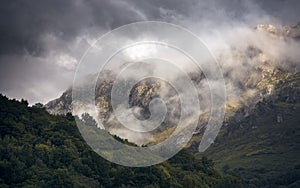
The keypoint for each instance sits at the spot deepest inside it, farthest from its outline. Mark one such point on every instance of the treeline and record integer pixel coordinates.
(42, 150)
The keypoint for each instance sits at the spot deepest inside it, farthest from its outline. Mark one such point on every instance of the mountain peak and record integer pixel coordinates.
(284, 31)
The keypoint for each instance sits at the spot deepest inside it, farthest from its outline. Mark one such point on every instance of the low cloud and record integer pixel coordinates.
(43, 41)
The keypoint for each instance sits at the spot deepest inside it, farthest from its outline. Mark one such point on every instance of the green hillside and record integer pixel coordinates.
(263, 147)
(42, 150)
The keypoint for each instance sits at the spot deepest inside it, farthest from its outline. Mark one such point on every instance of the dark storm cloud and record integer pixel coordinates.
(23, 22)
(287, 11)
(39, 38)
(32, 33)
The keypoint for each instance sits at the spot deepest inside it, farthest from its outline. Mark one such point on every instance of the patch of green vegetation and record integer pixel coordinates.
(264, 147)
(42, 150)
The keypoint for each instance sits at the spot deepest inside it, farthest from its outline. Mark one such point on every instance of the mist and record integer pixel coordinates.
(42, 44)
(41, 47)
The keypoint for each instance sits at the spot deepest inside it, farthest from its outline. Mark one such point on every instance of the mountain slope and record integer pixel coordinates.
(263, 147)
(42, 150)
(259, 139)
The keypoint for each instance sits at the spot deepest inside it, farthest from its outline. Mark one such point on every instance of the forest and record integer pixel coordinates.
(42, 150)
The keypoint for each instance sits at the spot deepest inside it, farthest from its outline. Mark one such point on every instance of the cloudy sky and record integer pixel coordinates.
(42, 41)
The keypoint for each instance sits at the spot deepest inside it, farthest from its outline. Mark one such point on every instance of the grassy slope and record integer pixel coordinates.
(261, 150)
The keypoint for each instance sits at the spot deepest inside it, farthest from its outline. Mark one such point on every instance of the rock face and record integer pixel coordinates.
(261, 82)
(285, 31)
(62, 105)
(140, 97)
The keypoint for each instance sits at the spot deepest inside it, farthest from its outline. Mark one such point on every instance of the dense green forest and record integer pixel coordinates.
(42, 150)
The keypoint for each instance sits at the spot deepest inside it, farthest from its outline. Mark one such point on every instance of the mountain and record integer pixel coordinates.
(42, 150)
(259, 139)
(139, 100)
(263, 145)
(286, 31)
